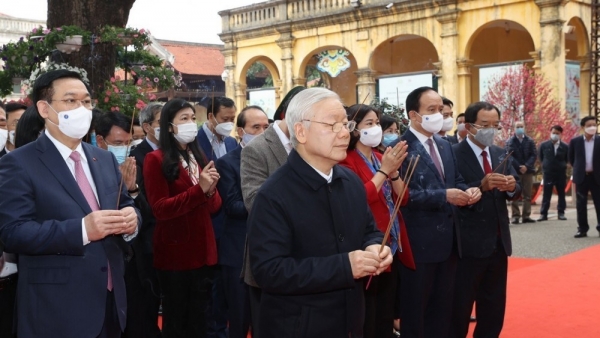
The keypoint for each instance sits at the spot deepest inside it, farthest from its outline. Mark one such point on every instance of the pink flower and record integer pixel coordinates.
(46, 31)
(133, 73)
(106, 99)
(139, 82)
(112, 79)
(34, 30)
(113, 108)
(147, 79)
(156, 80)
(140, 104)
(117, 108)
(152, 97)
(135, 35)
(116, 90)
(142, 31)
(108, 92)
(59, 29)
(143, 67)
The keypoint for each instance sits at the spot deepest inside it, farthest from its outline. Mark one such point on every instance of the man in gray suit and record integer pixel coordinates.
(259, 160)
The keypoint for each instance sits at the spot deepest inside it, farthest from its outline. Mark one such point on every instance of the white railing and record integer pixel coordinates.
(18, 26)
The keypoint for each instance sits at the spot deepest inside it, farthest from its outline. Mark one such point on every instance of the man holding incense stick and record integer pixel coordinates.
(435, 190)
(311, 234)
(484, 227)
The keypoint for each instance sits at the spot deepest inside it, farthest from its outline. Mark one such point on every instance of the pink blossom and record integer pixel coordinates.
(133, 73)
(139, 82)
(135, 35)
(143, 67)
(108, 92)
(34, 30)
(152, 97)
(116, 90)
(46, 31)
(113, 108)
(106, 99)
(156, 80)
(142, 31)
(117, 108)
(59, 29)
(112, 79)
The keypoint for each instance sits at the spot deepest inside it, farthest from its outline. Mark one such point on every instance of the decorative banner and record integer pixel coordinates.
(572, 99)
(264, 98)
(333, 61)
(397, 88)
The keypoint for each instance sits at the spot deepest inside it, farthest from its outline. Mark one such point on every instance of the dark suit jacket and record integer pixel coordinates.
(378, 203)
(231, 247)
(430, 219)
(554, 166)
(62, 283)
(452, 139)
(479, 224)
(523, 153)
(230, 144)
(577, 159)
(183, 238)
(3, 152)
(301, 230)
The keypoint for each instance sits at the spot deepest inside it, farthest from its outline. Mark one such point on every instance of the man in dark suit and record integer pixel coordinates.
(524, 154)
(436, 189)
(62, 212)
(584, 156)
(448, 124)
(554, 156)
(14, 111)
(461, 132)
(484, 227)
(311, 234)
(141, 280)
(215, 140)
(251, 121)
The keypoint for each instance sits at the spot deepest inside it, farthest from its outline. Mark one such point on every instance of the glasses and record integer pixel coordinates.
(498, 127)
(14, 123)
(74, 103)
(337, 126)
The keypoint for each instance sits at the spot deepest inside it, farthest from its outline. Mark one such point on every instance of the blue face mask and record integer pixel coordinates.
(388, 139)
(93, 139)
(120, 152)
(520, 131)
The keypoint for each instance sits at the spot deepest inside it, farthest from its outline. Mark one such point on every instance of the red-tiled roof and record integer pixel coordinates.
(196, 58)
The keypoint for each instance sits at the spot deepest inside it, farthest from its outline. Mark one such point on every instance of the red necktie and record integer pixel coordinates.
(88, 193)
(487, 169)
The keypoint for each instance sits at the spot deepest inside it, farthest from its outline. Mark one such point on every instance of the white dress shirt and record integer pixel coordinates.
(8, 264)
(478, 151)
(218, 146)
(589, 153)
(282, 137)
(422, 138)
(154, 146)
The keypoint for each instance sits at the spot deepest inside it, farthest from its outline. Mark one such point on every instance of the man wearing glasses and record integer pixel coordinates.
(63, 213)
(311, 234)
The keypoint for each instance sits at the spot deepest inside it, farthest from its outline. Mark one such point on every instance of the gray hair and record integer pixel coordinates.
(302, 105)
(149, 112)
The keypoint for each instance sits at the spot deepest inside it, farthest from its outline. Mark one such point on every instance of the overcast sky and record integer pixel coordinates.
(181, 20)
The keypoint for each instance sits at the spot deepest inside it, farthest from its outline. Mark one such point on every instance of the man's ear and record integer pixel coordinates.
(301, 132)
(42, 108)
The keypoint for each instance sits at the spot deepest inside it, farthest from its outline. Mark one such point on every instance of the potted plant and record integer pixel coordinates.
(123, 97)
(66, 39)
(125, 36)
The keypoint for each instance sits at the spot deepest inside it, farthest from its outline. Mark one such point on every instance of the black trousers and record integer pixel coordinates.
(217, 307)
(255, 294)
(185, 301)
(8, 293)
(560, 184)
(238, 301)
(111, 327)
(427, 294)
(482, 280)
(143, 301)
(380, 302)
(588, 185)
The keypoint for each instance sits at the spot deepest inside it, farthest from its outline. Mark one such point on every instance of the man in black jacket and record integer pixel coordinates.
(484, 233)
(553, 155)
(524, 155)
(584, 156)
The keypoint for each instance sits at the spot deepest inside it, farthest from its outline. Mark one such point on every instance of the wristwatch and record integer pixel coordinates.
(134, 191)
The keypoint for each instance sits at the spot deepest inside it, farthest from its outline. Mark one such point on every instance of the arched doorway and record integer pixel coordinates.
(259, 85)
(332, 67)
(495, 44)
(577, 69)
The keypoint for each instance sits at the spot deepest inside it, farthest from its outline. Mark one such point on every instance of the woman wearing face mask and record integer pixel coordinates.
(391, 132)
(382, 180)
(181, 190)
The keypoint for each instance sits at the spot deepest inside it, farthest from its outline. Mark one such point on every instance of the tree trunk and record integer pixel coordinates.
(98, 59)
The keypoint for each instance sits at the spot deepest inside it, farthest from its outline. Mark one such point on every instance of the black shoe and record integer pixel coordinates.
(472, 319)
(528, 220)
(580, 234)
(562, 217)
(541, 219)
(515, 220)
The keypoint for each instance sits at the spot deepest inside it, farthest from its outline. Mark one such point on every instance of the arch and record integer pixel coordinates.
(265, 60)
(405, 53)
(344, 84)
(576, 41)
(496, 42)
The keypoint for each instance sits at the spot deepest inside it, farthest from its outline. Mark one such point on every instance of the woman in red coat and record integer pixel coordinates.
(181, 189)
(383, 183)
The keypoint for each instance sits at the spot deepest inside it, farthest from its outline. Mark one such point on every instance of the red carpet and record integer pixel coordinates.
(556, 298)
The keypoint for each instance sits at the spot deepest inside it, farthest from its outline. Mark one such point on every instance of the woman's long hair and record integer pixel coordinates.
(282, 109)
(29, 128)
(169, 145)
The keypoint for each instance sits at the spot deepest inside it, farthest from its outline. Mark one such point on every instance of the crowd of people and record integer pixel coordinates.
(106, 220)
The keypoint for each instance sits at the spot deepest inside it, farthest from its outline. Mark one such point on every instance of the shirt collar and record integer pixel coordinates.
(326, 177)
(422, 138)
(282, 137)
(152, 144)
(476, 148)
(209, 134)
(65, 151)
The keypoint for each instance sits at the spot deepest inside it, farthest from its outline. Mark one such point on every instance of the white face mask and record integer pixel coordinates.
(11, 137)
(448, 124)
(157, 133)
(460, 127)
(371, 137)
(432, 123)
(246, 138)
(591, 130)
(3, 138)
(74, 123)
(136, 143)
(186, 132)
(223, 129)
(554, 137)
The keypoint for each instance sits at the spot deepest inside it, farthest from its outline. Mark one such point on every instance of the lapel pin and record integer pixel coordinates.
(94, 159)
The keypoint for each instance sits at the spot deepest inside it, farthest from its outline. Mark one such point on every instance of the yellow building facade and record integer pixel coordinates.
(452, 39)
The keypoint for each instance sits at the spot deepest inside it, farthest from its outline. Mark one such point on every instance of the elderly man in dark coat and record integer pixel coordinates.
(311, 234)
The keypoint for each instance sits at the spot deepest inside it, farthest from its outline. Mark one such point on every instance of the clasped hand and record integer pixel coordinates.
(370, 261)
(101, 223)
(498, 181)
(461, 198)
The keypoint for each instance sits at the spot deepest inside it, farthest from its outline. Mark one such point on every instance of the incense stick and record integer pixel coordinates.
(361, 104)
(504, 162)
